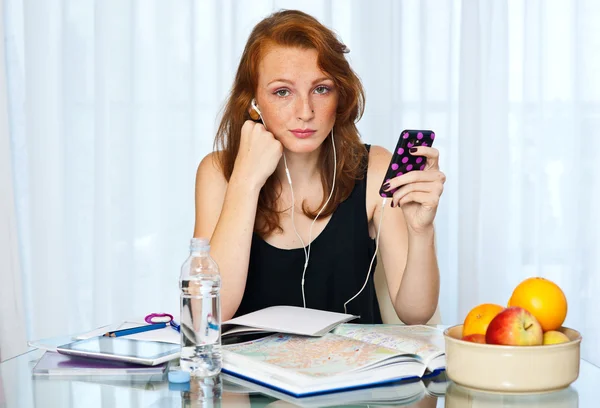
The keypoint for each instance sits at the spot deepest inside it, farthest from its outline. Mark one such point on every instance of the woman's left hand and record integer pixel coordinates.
(418, 192)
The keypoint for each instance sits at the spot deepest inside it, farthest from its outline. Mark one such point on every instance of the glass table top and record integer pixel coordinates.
(18, 388)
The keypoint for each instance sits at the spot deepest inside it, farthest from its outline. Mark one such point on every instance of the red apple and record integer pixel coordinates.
(475, 338)
(514, 326)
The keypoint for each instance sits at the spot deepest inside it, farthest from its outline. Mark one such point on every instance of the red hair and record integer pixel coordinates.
(297, 29)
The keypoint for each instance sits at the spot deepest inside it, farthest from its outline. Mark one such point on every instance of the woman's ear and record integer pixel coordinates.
(253, 114)
(254, 111)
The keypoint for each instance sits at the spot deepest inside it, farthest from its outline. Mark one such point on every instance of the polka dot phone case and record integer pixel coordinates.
(402, 160)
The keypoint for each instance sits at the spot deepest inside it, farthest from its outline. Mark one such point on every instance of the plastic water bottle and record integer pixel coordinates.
(200, 312)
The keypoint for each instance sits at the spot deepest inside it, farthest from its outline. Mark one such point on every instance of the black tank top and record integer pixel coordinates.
(339, 261)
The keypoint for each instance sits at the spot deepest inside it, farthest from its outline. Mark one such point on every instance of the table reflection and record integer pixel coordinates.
(462, 397)
(20, 389)
(201, 392)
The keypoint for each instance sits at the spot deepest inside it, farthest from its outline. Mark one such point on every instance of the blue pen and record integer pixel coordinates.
(134, 330)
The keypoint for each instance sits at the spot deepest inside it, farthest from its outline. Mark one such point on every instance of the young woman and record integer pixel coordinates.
(292, 111)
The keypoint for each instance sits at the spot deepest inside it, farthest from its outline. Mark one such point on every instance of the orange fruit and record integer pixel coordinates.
(544, 299)
(479, 318)
(475, 338)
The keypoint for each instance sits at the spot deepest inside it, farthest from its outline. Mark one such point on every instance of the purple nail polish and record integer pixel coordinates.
(413, 150)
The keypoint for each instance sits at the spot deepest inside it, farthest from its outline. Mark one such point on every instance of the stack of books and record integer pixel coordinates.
(53, 364)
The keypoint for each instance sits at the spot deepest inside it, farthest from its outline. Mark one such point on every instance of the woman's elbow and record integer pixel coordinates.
(417, 315)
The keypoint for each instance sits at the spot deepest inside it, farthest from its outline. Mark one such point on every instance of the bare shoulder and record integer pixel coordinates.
(211, 187)
(379, 158)
(210, 166)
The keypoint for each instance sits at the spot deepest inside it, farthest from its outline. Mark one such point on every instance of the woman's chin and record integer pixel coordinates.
(298, 145)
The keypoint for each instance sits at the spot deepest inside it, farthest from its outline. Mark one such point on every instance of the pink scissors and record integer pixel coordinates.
(154, 318)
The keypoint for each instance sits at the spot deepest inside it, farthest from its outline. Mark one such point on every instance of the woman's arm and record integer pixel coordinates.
(407, 238)
(226, 212)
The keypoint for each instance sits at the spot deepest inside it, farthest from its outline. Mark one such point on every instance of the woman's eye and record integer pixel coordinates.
(321, 89)
(282, 92)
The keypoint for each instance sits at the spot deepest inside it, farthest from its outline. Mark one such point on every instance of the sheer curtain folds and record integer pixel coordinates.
(12, 327)
(112, 104)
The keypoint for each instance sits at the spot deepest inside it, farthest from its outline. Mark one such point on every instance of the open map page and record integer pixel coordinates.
(349, 348)
(313, 356)
(424, 341)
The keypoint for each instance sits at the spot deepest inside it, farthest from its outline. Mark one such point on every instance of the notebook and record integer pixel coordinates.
(167, 335)
(351, 357)
(286, 319)
(275, 319)
(56, 364)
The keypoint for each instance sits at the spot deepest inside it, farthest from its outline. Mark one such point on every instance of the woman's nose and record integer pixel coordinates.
(305, 110)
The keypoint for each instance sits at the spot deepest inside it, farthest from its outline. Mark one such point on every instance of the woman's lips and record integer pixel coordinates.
(303, 133)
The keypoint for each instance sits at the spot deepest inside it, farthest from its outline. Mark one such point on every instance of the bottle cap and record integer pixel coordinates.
(179, 376)
(197, 244)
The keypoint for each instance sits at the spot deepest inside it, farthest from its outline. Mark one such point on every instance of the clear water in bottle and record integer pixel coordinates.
(200, 285)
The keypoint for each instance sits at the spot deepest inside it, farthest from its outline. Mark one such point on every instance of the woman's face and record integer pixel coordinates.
(297, 100)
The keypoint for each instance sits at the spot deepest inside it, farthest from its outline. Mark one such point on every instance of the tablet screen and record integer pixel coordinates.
(120, 346)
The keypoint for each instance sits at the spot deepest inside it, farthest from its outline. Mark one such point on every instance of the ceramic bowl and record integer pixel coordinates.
(512, 369)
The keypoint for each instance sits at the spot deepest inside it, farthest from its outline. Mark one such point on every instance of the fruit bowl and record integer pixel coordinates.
(512, 369)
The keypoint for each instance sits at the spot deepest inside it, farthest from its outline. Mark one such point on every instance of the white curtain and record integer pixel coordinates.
(113, 104)
(12, 327)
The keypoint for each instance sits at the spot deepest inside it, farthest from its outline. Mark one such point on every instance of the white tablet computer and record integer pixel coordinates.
(122, 349)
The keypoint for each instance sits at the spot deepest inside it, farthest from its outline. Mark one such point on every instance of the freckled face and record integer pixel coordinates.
(297, 100)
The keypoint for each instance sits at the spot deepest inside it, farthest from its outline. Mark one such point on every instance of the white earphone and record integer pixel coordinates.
(257, 111)
(307, 253)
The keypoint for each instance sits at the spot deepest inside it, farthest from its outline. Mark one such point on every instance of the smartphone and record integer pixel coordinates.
(402, 160)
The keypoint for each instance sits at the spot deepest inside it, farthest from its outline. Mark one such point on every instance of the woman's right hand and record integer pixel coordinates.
(258, 155)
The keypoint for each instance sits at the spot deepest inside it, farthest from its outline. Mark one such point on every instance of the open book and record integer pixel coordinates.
(352, 356)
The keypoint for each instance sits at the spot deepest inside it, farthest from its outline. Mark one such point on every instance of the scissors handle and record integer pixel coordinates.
(158, 318)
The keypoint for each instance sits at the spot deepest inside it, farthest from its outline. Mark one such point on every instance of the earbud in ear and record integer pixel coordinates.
(255, 112)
